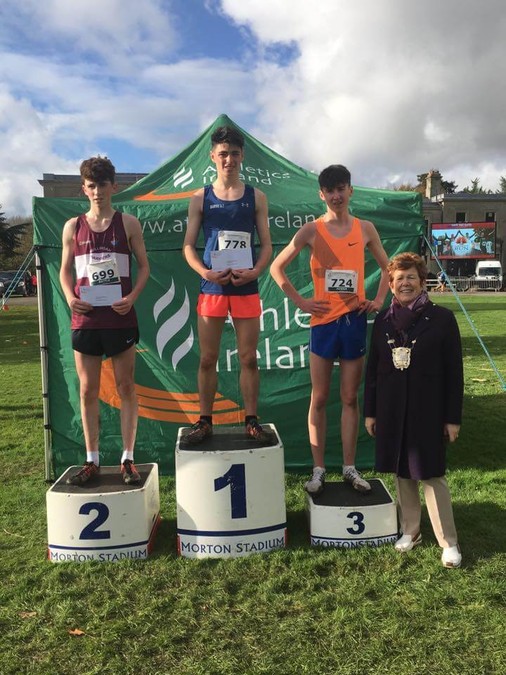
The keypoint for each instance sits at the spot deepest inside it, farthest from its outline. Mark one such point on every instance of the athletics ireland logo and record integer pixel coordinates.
(173, 325)
(183, 177)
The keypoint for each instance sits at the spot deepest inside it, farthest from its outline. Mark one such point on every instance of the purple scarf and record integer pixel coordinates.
(403, 318)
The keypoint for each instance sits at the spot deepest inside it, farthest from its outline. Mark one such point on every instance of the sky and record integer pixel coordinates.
(388, 88)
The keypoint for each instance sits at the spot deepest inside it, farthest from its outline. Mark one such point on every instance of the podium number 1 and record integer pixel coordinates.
(236, 478)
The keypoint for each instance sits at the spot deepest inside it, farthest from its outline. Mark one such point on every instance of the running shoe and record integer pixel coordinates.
(316, 483)
(129, 472)
(90, 470)
(198, 432)
(352, 476)
(255, 431)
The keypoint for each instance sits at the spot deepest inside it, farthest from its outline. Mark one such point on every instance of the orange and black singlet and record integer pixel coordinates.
(337, 268)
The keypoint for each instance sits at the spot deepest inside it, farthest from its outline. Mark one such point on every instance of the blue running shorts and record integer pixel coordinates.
(344, 338)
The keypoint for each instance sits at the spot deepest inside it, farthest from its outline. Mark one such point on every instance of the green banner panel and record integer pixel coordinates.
(167, 359)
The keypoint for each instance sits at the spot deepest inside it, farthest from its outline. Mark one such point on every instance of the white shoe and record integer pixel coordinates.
(452, 557)
(352, 476)
(316, 483)
(407, 542)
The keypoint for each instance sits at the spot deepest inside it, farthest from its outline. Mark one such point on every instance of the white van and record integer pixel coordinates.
(489, 274)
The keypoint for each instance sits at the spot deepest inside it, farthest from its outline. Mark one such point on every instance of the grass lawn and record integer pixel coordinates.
(300, 610)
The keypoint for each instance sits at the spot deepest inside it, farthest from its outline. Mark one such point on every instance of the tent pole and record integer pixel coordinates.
(48, 459)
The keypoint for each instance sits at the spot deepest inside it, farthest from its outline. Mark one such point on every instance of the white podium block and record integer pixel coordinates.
(342, 517)
(105, 519)
(230, 493)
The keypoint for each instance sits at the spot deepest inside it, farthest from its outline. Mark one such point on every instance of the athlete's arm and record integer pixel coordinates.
(195, 212)
(373, 243)
(243, 276)
(133, 231)
(76, 305)
(304, 237)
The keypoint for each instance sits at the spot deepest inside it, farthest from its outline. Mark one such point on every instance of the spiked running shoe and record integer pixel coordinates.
(316, 483)
(255, 431)
(90, 470)
(198, 432)
(129, 472)
(352, 476)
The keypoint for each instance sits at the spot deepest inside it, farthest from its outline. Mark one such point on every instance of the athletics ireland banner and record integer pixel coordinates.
(167, 359)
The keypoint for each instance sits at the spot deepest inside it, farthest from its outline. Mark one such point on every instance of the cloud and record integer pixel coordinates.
(389, 88)
(119, 32)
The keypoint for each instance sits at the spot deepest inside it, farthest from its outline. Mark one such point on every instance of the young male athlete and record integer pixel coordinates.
(338, 311)
(231, 215)
(97, 248)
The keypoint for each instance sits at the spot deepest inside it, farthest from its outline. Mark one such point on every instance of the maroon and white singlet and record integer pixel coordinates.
(90, 249)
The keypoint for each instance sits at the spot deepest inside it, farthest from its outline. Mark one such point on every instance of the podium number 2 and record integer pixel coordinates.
(91, 530)
(358, 522)
(236, 478)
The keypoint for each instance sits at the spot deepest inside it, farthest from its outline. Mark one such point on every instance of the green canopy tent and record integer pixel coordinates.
(166, 367)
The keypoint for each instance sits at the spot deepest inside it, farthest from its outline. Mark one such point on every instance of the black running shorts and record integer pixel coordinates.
(104, 341)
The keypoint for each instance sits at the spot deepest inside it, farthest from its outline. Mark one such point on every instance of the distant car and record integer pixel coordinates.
(6, 279)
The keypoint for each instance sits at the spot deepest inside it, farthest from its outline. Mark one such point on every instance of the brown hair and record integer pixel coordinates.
(403, 261)
(227, 135)
(97, 169)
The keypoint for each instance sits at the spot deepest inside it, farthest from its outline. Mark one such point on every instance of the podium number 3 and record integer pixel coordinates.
(358, 522)
(236, 478)
(91, 530)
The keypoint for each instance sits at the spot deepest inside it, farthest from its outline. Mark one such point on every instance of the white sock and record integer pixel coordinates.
(127, 454)
(93, 457)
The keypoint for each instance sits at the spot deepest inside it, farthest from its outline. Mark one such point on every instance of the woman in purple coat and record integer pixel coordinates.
(413, 402)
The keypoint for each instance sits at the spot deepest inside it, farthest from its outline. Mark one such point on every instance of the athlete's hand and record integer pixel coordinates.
(122, 306)
(241, 277)
(222, 278)
(369, 306)
(316, 308)
(78, 306)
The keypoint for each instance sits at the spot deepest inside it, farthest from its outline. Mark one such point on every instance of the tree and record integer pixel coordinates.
(502, 185)
(476, 188)
(16, 235)
(10, 235)
(405, 187)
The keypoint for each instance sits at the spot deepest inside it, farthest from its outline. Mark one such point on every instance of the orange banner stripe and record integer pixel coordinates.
(160, 404)
(152, 197)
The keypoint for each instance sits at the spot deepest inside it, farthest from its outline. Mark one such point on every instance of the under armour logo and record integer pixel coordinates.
(244, 205)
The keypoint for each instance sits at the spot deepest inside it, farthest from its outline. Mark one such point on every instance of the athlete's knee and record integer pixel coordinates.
(349, 398)
(248, 360)
(125, 388)
(319, 399)
(88, 392)
(208, 361)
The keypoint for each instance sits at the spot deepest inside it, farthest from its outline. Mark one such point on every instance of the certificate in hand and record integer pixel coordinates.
(234, 259)
(102, 295)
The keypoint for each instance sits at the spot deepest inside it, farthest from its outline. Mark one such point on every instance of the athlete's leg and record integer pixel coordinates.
(350, 372)
(88, 370)
(123, 366)
(321, 374)
(210, 329)
(247, 332)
